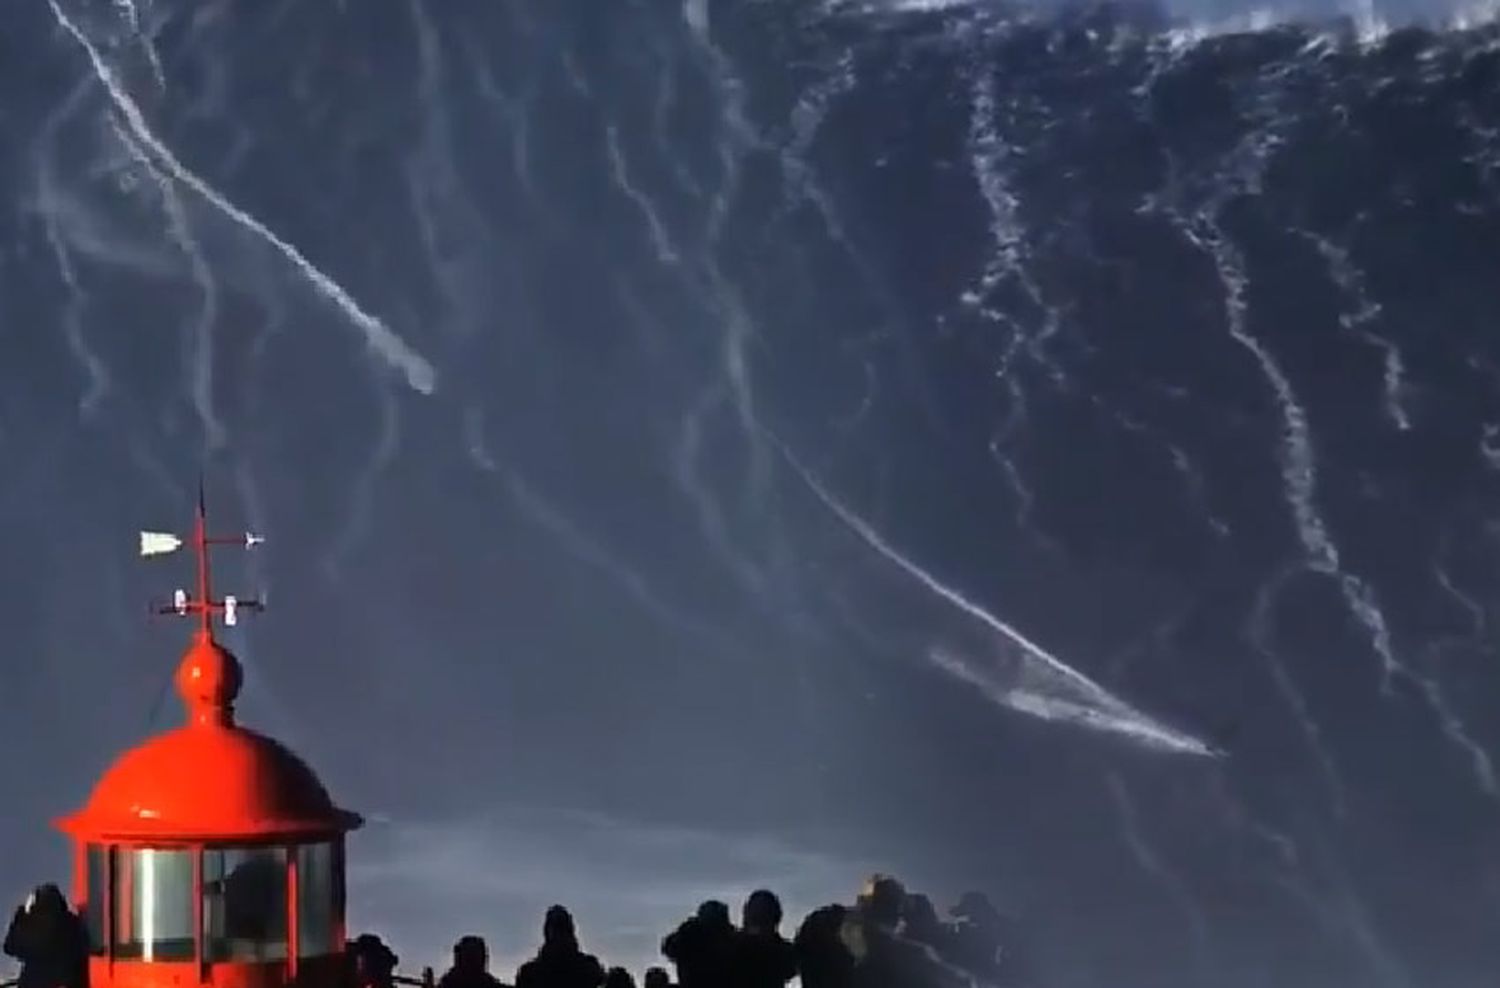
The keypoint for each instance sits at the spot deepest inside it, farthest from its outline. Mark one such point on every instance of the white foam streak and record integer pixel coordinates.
(1299, 467)
(806, 119)
(515, 110)
(1262, 636)
(898, 6)
(1025, 500)
(1370, 25)
(737, 135)
(1183, 464)
(583, 546)
(1489, 445)
(695, 12)
(989, 156)
(1339, 905)
(1478, 622)
(201, 379)
(94, 368)
(801, 185)
(739, 332)
(419, 374)
(1153, 865)
(661, 114)
(1063, 710)
(357, 517)
(1351, 281)
(1043, 686)
(133, 21)
(666, 253)
(1253, 21)
(1240, 819)
(1457, 733)
(446, 219)
(1299, 473)
(685, 471)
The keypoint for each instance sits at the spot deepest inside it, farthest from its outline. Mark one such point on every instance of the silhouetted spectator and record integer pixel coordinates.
(876, 910)
(656, 977)
(371, 963)
(618, 977)
(988, 945)
(882, 958)
(471, 966)
(702, 948)
(976, 936)
(255, 902)
(932, 940)
(49, 940)
(920, 923)
(823, 960)
(560, 963)
(762, 956)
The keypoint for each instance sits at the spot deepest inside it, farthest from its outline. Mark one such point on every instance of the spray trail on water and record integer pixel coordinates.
(419, 374)
(1027, 678)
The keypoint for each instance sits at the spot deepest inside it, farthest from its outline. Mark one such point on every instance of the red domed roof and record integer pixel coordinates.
(209, 780)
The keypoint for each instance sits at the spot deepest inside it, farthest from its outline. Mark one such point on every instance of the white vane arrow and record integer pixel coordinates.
(159, 543)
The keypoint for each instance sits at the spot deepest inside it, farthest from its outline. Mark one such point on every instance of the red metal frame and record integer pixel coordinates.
(138, 971)
(199, 940)
(126, 869)
(340, 895)
(292, 917)
(107, 907)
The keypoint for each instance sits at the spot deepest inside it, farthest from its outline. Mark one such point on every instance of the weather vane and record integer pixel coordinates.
(202, 604)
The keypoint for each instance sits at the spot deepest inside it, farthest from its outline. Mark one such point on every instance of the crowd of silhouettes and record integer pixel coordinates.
(888, 939)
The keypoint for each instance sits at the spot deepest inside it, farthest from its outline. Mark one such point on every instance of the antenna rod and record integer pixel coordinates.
(200, 542)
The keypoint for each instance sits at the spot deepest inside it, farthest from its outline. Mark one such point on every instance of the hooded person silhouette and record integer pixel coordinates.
(702, 948)
(823, 960)
(561, 963)
(371, 963)
(471, 966)
(988, 943)
(762, 958)
(49, 940)
(882, 957)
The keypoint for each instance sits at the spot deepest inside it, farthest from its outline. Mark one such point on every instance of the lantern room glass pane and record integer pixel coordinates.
(96, 887)
(153, 898)
(244, 904)
(318, 898)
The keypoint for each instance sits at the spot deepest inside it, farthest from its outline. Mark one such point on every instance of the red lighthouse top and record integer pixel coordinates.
(209, 780)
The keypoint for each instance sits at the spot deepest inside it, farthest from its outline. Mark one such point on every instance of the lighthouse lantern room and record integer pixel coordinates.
(211, 854)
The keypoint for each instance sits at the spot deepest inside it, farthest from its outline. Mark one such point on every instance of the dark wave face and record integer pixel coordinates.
(716, 445)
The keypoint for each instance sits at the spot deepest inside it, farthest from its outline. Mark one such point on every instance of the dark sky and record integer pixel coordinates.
(716, 445)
